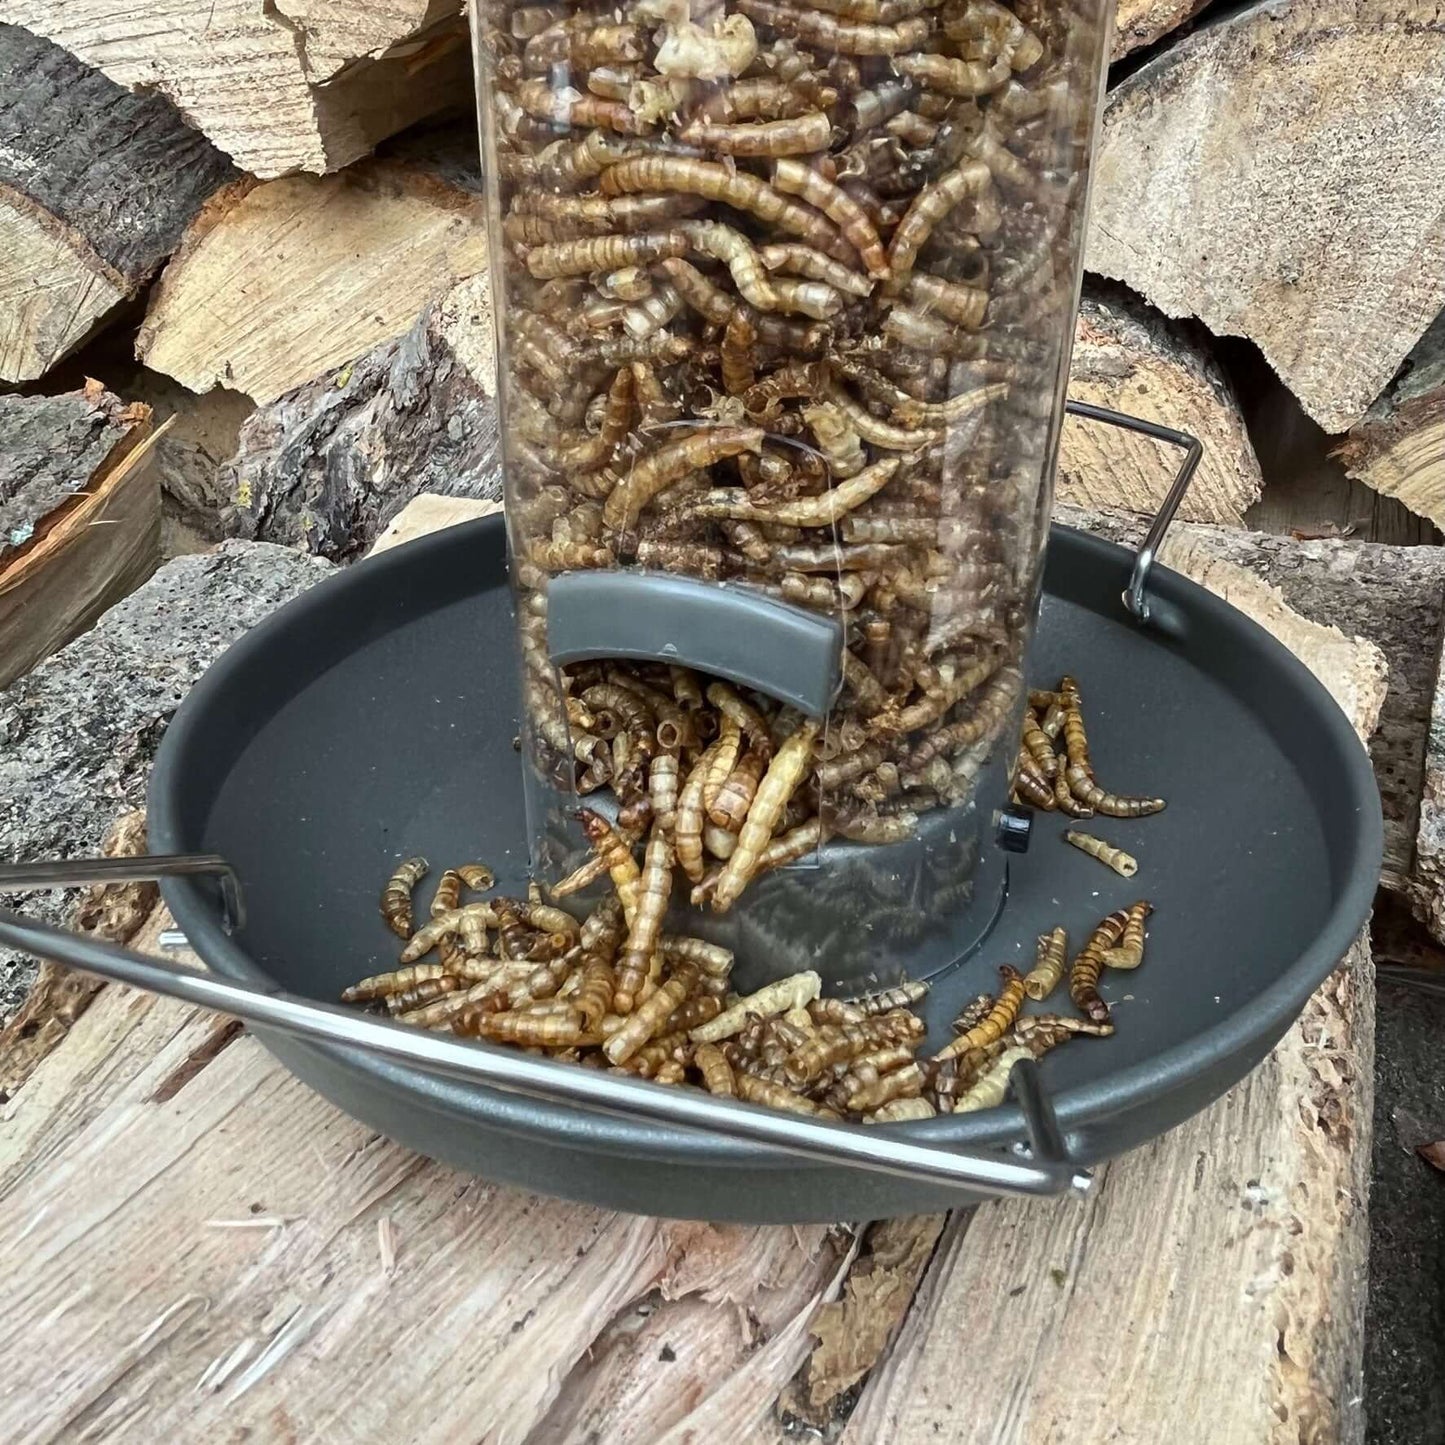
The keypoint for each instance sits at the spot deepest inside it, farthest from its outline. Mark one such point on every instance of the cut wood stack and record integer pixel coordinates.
(1398, 446)
(79, 517)
(296, 85)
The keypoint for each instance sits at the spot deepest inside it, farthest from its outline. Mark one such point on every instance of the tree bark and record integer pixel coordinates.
(1138, 23)
(295, 85)
(79, 517)
(1128, 357)
(329, 465)
(96, 186)
(1257, 176)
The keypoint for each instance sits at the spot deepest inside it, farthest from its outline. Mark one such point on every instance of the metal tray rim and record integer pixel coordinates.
(1265, 1018)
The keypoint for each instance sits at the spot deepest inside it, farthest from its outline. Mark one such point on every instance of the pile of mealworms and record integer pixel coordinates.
(527, 973)
(786, 295)
(728, 785)
(1043, 779)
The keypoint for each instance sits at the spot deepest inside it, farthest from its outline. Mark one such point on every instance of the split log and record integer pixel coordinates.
(1309, 494)
(292, 86)
(165, 1123)
(1255, 175)
(1138, 23)
(96, 185)
(79, 517)
(1399, 447)
(328, 466)
(274, 284)
(1390, 597)
(1128, 357)
(78, 733)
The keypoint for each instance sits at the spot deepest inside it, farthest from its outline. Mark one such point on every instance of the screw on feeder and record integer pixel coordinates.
(1014, 826)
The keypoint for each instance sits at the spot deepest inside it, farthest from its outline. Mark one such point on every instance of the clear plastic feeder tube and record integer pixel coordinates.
(785, 296)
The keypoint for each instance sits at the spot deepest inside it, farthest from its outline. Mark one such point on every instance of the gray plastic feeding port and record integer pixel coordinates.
(721, 628)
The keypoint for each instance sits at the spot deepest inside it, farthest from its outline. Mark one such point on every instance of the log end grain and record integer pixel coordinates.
(1255, 176)
(1126, 356)
(279, 282)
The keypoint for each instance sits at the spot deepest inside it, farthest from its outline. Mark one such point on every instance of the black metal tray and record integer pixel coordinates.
(374, 718)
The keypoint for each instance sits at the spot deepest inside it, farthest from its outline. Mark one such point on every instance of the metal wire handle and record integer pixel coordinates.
(149, 868)
(1136, 595)
(1048, 1169)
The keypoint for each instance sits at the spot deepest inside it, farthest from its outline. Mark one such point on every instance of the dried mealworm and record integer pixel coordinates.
(688, 823)
(991, 1088)
(754, 1090)
(477, 877)
(1121, 862)
(1030, 788)
(1085, 970)
(594, 995)
(796, 991)
(904, 996)
(670, 462)
(828, 33)
(729, 807)
(448, 893)
(1041, 980)
(736, 252)
(396, 896)
(711, 958)
(650, 1015)
(792, 257)
(423, 993)
(899, 1111)
(996, 1022)
(379, 985)
(786, 770)
(965, 78)
(568, 107)
(654, 890)
(797, 135)
(904, 1083)
(717, 1073)
(879, 433)
(1130, 952)
(604, 253)
(522, 1027)
(739, 347)
(616, 854)
(931, 206)
(716, 182)
(794, 178)
(784, 849)
(965, 306)
(1080, 777)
